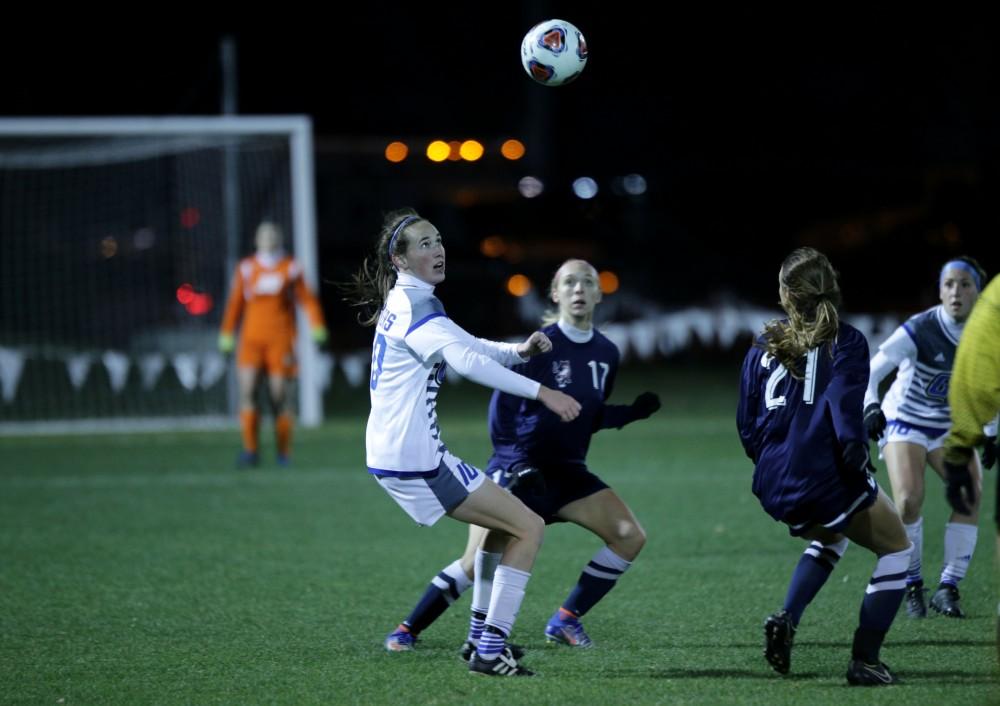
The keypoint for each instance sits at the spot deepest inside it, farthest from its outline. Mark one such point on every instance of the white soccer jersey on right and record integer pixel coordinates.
(923, 348)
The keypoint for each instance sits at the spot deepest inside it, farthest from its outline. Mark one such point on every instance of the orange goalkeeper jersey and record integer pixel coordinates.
(263, 293)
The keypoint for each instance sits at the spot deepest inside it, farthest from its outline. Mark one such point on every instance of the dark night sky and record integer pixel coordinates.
(870, 133)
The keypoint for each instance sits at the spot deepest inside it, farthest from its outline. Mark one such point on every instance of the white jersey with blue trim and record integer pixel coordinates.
(923, 349)
(407, 370)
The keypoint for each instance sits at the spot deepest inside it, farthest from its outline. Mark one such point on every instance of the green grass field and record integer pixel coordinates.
(143, 569)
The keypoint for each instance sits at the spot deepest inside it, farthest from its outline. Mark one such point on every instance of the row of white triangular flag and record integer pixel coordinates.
(662, 334)
(192, 370)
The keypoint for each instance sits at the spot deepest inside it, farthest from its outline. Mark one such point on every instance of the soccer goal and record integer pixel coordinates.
(118, 238)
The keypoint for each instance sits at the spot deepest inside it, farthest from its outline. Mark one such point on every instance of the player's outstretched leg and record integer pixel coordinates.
(811, 573)
(443, 590)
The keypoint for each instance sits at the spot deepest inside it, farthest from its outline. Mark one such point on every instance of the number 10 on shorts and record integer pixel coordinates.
(467, 472)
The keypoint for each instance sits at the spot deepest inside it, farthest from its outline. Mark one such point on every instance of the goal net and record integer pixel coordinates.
(118, 239)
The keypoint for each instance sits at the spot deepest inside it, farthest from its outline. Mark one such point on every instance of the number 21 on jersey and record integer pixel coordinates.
(772, 400)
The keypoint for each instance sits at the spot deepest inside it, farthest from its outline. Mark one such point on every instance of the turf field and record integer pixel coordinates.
(143, 569)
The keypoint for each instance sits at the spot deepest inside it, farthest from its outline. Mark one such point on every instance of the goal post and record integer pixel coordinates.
(118, 239)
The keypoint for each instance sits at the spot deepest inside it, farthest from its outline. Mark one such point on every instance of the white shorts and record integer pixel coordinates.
(428, 496)
(896, 430)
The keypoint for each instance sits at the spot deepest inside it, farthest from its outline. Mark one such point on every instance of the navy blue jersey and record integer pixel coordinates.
(524, 431)
(794, 430)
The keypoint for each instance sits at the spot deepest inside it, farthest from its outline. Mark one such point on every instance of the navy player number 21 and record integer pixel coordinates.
(772, 400)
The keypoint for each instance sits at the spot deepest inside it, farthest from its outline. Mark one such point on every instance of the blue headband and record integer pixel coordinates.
(399, 229)
(961, 265)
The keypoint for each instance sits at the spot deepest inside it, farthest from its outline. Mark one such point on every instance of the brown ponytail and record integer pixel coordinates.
(810, 295)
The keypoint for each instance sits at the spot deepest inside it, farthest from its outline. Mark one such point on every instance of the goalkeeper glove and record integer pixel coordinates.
(989, 456)
(319, 335)
(874, 421)
(645, 405)
(226, 342)
(527, 479)
(959, 488)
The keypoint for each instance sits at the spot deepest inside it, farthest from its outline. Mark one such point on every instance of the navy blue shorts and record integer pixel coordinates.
(562, 485)
(832, 512)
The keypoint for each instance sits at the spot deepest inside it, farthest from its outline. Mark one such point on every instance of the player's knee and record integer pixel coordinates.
(909, 505)
(533, 529)
(630, 537)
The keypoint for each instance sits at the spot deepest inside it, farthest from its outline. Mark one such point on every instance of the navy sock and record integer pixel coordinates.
(598, 577)
(441, 592)
(814, 568)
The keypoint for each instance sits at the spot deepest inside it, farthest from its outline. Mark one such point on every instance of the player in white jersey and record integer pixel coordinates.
(912, 421)
(414, 342)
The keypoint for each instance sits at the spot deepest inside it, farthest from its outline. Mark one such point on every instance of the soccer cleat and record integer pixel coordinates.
(565, 629)
(469, 648)
(946, 601)
(505, 665)
(400, 640)
(779, 636)
(916, 601)
(860, 673)
(247, 459)
(284, 460)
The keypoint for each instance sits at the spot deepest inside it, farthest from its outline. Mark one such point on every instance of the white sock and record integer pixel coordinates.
(509, 584)
(959, 543)
(482, 588)
(915, 533)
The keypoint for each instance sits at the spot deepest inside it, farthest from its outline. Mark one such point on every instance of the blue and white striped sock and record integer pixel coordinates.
(505, 603)
(915, 533)
(959, 544)
(482, 590)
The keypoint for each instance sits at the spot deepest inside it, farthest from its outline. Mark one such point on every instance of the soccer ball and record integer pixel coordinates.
(553, 52)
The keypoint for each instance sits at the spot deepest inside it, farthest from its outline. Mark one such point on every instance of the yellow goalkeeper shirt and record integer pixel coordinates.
(974, 391)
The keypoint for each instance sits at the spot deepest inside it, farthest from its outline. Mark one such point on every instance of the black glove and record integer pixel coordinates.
(959, 489)
(856, 458)
(989, 456)
(528, 480)
(645, 405)
(874, 421)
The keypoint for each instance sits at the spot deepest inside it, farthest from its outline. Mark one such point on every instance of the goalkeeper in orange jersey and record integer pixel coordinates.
(265, 288)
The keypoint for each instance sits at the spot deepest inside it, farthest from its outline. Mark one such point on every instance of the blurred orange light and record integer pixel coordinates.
(396, 151)
(609, 282)
(518, 285)
(438, 151)
(471, 150)
(454, 151)
(512, 149)
(493, 246)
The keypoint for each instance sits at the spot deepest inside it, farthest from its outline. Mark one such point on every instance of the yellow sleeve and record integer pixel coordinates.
(974, 390)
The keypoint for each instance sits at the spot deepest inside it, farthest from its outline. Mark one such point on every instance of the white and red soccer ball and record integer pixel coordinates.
(554, 52)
